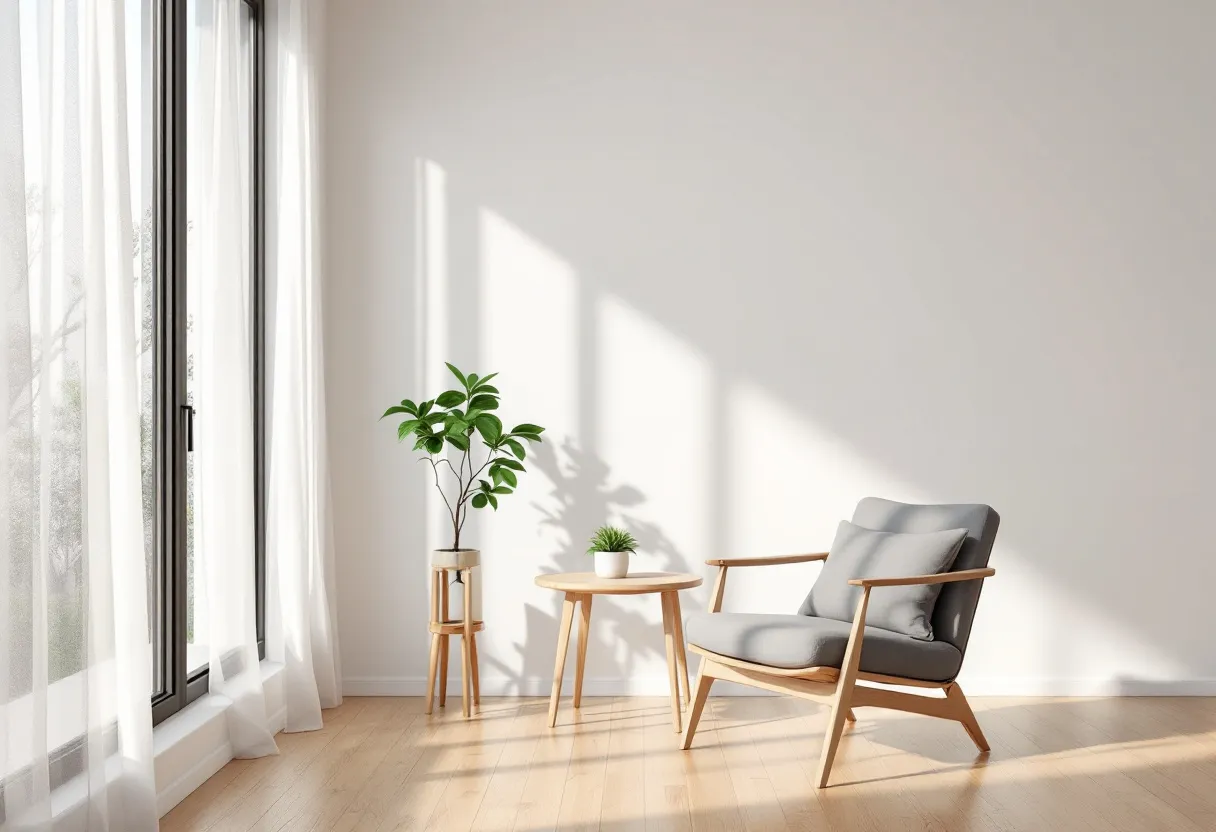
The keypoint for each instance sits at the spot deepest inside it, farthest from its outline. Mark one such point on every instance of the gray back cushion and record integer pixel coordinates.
(864, 553)
(956, 605)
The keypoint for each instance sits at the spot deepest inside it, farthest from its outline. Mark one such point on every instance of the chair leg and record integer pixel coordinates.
(844, 689)
(850, 716)
(964, 714)
(699, 697)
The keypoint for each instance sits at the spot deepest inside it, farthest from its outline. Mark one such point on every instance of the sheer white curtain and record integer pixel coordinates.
(218, 274)
(75, 660)
(301, 628)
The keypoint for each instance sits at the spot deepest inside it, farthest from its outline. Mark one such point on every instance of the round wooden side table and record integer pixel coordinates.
(442, 629)
(579, 587)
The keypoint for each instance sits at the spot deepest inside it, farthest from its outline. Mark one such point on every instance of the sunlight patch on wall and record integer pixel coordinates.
(431, 305)
(528, 331)
(654, 423)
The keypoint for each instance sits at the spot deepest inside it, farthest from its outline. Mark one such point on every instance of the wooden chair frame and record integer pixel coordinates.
(835, 687)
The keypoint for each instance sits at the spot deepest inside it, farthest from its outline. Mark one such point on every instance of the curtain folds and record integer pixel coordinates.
(75, 655)
(301, 628)
(221, 371)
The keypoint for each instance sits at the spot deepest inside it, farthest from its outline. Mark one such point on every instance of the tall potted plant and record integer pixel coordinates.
(473, 460)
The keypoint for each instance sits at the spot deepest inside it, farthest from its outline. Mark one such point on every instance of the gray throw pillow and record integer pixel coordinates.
(864, 553)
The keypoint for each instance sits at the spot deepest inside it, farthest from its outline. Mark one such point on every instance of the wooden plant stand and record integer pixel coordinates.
(442, 629)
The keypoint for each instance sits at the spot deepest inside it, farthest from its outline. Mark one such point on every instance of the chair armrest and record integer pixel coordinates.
(715, 598)
(941, 578)
(775, 560)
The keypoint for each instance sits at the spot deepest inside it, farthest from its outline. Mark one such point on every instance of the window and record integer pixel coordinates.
(156, 92)
(209, 80)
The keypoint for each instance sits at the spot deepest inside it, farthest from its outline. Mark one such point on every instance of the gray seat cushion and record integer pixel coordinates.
(793, 641)
(864, 553)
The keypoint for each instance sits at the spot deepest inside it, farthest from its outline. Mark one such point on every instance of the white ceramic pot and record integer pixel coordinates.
(460, 559)
(611, 564)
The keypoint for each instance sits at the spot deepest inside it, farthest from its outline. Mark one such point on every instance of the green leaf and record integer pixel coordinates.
(460, 441)
(472, 415)
(458, 375)
(612, 539)
(480, 500)
(528, 429)
(425, 408)
(434, 444)
(406, 428)
(502, 489)
(507, 462)
(435, 418)
(493, 501)
(516, 447)
(471, 381)
(486, 388)
(484, 402)
(481, 382)
(410, 406)
(485, 486)
(458, 426)
(397, 409)
(450, 398)
(508, 476)
(490, 427)
(422, 440)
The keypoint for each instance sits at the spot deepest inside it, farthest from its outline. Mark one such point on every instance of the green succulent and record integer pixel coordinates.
(612, 539)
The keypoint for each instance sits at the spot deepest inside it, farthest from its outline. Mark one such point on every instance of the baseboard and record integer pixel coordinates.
(192, 745)
(657, 686)
(174, 793)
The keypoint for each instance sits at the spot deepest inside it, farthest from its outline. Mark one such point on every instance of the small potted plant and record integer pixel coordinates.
(612, 547)
(447, 430)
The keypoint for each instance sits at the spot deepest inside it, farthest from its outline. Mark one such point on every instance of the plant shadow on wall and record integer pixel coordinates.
(583, 497)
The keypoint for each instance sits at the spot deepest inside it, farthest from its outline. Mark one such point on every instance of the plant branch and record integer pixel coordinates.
(435, 469)
(466, 495)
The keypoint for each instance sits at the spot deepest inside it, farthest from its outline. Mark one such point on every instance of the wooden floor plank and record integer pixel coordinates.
(1130, 765)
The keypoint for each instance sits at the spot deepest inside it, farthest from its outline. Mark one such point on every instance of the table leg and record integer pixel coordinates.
(563, 644)
(670, 638)
(681, 655)
(584, 634)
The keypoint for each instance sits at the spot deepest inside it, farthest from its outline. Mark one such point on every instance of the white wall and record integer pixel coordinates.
(749, 262)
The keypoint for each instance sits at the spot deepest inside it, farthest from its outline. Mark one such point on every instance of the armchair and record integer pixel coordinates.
(823, 659)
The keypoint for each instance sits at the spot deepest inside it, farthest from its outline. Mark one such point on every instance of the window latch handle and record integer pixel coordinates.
(190, 414)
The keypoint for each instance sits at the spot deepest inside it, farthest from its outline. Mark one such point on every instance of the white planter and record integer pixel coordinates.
(611, 564)
(462, 559)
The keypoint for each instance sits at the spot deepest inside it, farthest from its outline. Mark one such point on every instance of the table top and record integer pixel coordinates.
(636, 583)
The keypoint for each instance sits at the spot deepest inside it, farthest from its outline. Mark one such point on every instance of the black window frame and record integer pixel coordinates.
(173, 416)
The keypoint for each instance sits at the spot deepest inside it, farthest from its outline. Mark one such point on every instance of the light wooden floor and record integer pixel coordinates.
(1065, 764)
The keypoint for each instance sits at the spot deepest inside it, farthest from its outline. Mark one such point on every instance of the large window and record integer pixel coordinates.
(208, 231)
